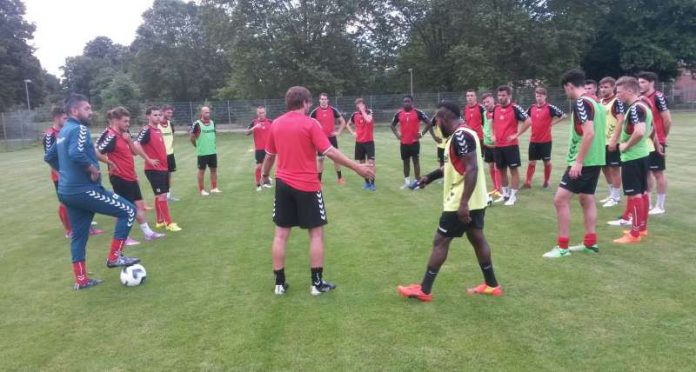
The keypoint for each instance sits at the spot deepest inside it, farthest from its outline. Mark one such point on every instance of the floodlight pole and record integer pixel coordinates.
(26, 89)
(410, 70)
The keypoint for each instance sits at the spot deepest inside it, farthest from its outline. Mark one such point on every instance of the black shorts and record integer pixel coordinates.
(410, 151)
(293, 207)
(585, 184)
(657, 161)
(365, 150)
(451, 227)
(171, 163)
(507, 157)
(441, 155)
(488, 154)
(540, 151)
(334, 142)
(260, 155)
(129, 190)
(613, 158)
(159, 180)
(207, 160)
(634, 176)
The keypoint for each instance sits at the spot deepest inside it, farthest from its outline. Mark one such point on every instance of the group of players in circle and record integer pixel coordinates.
(619, 134)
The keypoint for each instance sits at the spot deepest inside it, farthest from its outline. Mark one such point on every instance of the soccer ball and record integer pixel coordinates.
(134, 275)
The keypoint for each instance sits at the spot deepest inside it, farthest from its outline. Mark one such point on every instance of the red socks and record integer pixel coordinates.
(498, 179)
(637, 206)
(492, 172)
(115, 251)
(627, 211)
(213, 183)
(200, 185)
(646, 208)
(563, 242)
(590, 239)
(80, 272)
(162, 209)
(258, 176)
(547, 173)
(530, 173)
(63, 215)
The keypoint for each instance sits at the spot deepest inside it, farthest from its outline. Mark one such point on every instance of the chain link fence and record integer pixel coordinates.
(21, 129)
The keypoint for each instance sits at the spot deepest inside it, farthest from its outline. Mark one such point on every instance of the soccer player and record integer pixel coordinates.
(203, 139)
(662, 119)
(58, 120)
(544, 116)
(167, 128)
(116, 149)
(474, 113)
(488, 147)
(150, 146)
(464, 205)
(615, 117)
(294, 140)
(364, 138)
(80, 189)
(260, 127)
(439, 138)
(506, 118)
(586, 156)
(409, 133)
(635, 149)
(591, 89)
(327, 115)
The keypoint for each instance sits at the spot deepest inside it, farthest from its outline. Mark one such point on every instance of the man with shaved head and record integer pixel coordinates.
(203, 139)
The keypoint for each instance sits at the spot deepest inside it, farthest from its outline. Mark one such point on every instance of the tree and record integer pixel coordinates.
(655, 35)
(174, 57)
(17, 61)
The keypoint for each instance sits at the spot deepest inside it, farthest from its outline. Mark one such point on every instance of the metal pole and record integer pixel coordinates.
(26, 89)
(229, 115)
(4, 132)
(191, 111)
(21, 133)
(410, 70)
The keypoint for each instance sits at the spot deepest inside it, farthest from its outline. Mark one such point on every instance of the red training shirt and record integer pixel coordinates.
(116, 148)
(260, 133)
(505, 122)
(658, 105)
(327, 118)
(151, 140)
(473, 115)
(410, 124)
(364, 130)
(542, 117)
(295, 139)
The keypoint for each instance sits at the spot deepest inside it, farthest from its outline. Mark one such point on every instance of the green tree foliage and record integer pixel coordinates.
(655, 35)
(17, 62)
(174, 57)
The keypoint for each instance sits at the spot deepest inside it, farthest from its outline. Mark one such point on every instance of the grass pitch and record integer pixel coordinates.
(208, 302)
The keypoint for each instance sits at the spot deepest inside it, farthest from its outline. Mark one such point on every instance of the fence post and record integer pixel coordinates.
(21, 132)
(4, 132)
(191, 111)
(229, 115)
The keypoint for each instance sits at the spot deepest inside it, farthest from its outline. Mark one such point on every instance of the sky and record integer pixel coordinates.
(63, 27)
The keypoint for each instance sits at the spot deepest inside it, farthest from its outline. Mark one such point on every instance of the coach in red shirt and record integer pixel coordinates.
(295, 139)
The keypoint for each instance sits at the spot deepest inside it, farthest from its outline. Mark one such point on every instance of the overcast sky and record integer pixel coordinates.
(63, 27)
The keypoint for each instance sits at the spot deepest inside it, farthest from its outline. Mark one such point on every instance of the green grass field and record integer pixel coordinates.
(208, 302)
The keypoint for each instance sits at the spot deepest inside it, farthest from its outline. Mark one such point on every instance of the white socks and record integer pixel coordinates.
(146, 229)
(661, 201)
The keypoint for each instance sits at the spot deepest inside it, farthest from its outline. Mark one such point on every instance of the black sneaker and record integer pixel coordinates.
(323, 287)
(122, 261)
(90, 283)
(280, 289)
